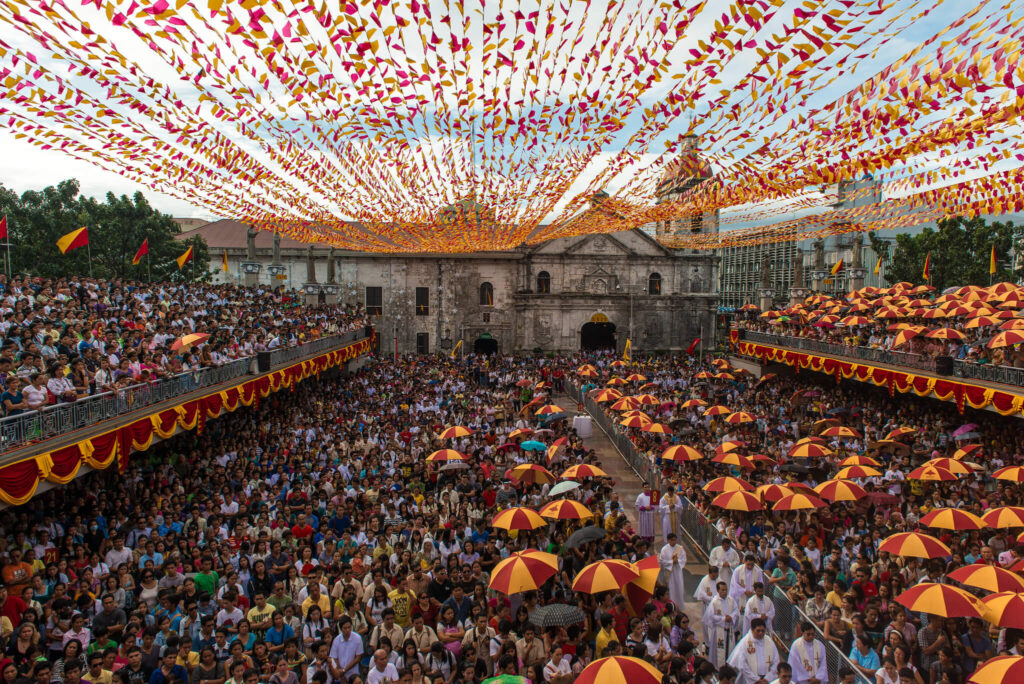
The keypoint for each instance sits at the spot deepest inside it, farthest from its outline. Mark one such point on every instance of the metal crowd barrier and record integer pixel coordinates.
(896, 358)
(58, 419)
(1006, 375)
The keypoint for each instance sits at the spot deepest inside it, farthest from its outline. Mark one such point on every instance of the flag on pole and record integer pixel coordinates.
(3, 228)
(878, 266)
(693, 345)
(184, 258)
(838, 267)
(626, 356)
(927, 273)
(73, 240)
(224, 262)
(143, 251)
(991, 261)
(455, 351)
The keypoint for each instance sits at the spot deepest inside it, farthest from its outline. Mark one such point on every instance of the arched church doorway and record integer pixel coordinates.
(485, 344)
(598, 333)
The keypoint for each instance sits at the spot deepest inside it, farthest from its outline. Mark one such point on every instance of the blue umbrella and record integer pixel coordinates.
(533, 445)
(544, 420)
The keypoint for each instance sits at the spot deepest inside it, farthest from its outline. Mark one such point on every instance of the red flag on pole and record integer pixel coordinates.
(693, 345)
(143, 251)
(3, 228)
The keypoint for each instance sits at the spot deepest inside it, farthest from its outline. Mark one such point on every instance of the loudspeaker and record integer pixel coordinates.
(944, 365)
(263, 362)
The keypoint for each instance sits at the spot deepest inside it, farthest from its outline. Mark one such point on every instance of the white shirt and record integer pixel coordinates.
(376, 675)
(551, 670)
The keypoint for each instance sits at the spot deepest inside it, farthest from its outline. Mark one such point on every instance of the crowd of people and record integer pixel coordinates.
(66, 339)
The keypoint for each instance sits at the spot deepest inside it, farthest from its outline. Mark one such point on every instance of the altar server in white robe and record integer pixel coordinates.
(755, 657)
(807, 658)
(743, 580)
(785, 674)
(725, 558)
(645, 514)
(671, 509)
(759, 606)
(672, 560)
(721, 621)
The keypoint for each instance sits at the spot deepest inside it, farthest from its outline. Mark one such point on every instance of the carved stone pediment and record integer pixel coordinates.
(600, 281)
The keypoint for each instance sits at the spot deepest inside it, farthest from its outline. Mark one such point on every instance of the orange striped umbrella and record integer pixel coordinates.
(951, 464)
(1004, 517)
(635, 422)
(586, 366)
(1006, 338)
(946, 334)
(626, 404)
(761, 458)
(188, 341)
(693, 403)
(455, 431)
(981, 322)
(616, 382)
(518, 519)
(648, 386)
(639, 591)
(738, 460)
(521, 432)
(681, 453)
(727, 484)
(1010, 473)
(739, 418)
(725, 376)
(931, 474)
(840, 431)
(657, 428)
(582, 470)
(523, 571)
(731, 445)
(1013, 324)
(1004, 609)
(914, 545)
(855, 320)
(908, 333)
(900, 432)
(604, 395)
(859, 461)
(987, 577)
(635, 412)
(857, 472)
(798, 501)
(605, 575)
(588, 374)
(997, 670)
(446, 455)
(531, 473)
(772, 492)
(941, 599)
(618, 363)
(840, 490)
(565, 509)
(648, 400)
(809, 450)
(549, 409)
(717, 410)
(703, 375)
(810, 439)
(618, 670)
(636, 377)
(737, 501)
(952, 519)
(966, 450)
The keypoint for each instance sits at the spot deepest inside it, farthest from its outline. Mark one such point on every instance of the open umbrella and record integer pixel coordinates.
(619, 670)
(507, 679)
(548, 409)
(739, 418)
(772, 492)
(518, 519)
(840, 490)
(914, 545)
(952, 519)
(521, 432)
(533, 445)
(604, 395)
(940, 599)
(565, 509)
(900, 432)
(626, 404)
(931, 474)
(681, 453)
(737, 460)
(998, 670)
(635, 422)
(1004, 609)
(693, 403)
(590, 533)
(730, 445)
(728, 484)
(857, 472)
(737, 501)
(1010, 473)
(557, 615)
(858, 461)
(840, 431)
(951, 464)
(809, 450)
(610, 574)
(639, 591)
(1004, 517)
(523, 571)
(563, 488)
(446, 455)
(531, 473)
(186, 342)
(583, 470)
(717, 410)
(798, 501)
(455, 431)
(967, 450)
(987, 577)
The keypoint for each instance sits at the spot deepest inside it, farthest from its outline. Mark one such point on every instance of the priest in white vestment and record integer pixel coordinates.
(755, 657)
(672, 560)
(743, 580)
(706, 591)
(807, 658)
(721, 622)
(759, 606)
(725, 558)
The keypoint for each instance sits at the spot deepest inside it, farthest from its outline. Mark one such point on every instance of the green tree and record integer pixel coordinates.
(116, 226)
(960, 249)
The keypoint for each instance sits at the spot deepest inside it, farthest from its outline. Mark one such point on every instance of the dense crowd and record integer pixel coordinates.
(66, 339)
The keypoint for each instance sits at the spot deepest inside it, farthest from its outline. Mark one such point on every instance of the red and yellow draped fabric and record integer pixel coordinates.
(19, 481)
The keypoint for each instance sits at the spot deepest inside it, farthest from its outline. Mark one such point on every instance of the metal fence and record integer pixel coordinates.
(1007, 375)
(52, 421)
(895, 358)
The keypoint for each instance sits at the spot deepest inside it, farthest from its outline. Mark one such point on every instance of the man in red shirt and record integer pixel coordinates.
(11, 607)
(301, 529)
(620, 614)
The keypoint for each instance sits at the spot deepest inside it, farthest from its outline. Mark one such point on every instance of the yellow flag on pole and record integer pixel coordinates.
(626, 355)
(455, 351)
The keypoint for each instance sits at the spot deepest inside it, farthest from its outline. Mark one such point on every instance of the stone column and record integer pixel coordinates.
(819, 265)
(765, 294)
(857, 270)
(798, 292)
(311, 287)
(250, 267)
(331, 287)
(277, 269)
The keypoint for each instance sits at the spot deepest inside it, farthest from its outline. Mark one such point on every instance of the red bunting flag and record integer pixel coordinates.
(143, 251)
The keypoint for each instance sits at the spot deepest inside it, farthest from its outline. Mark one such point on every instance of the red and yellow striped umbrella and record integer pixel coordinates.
(523, 571)
(1010, 473)
(604, 395)
(635, 422)
(518, 519)
(589, 373)
(858, 460)
(952, 519)
(966, 450)
(636, 377)
(901, 432)
(798, 501)
(739, 418)
(856, 472)
(1004, 517)
(565, 509)
(998, 670)
(724, 376)
(1006, 338)
(681, 453)
(940, 599)
(931, 474)
(446, 455)
(586, 366)
(951, 464)
(531, 473)
(704, 375)
(728, 484)
(840, 431)
(618, 363)
(772, 492)
(635, 412)
(762, 458)
(738, 460)
(914, 545)
(987, 577)
(639, 591)
(455, 431)
(619, 670)
(582, 470)
(717, 410)
(648, 400)
(693, 403)
(840, 490)
(521, 432)
(809, 450)
(738, 501)
(549, 409)
(188, 341)
(626, 404)
(1004, 609)
(948, 333)
(810, 439)
(657, 428)
(605, 575)
(731, 445)
(616, 382)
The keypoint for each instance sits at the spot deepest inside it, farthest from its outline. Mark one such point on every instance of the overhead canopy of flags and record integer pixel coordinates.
(411, 125)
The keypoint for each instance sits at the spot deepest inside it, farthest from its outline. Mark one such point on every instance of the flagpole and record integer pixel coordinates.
(88, 249)
(149, 267)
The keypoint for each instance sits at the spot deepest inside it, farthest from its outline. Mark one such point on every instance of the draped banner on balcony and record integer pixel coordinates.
(19, 481)
(964, 394)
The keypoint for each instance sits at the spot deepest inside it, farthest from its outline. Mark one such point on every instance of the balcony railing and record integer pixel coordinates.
(1006, 375)
(59, 419)
(895, 358)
